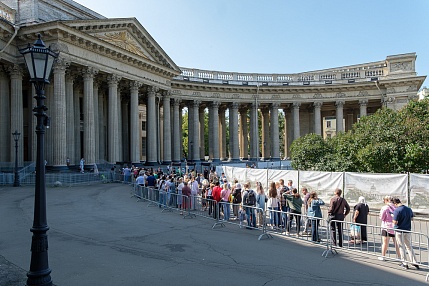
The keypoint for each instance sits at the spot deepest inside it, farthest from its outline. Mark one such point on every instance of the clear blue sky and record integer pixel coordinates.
(279, 36)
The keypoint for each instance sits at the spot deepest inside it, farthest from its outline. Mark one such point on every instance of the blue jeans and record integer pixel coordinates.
(251, 217)
(274, 216)
(162, 198)
(226, 210)
(315, 229)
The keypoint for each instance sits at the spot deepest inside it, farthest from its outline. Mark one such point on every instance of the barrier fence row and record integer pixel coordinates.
(333, 235)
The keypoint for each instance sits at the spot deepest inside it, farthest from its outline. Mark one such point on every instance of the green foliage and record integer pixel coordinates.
(385, 142)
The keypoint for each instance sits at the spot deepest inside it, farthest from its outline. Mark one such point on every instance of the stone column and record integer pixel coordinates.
(59, 114)
(125, 130)
(151, 155)
(112, 124)
(286, 132)
(265, 134)
(49, 135)
(254, 136)
(70, 149)
(88, 75)
(135, 146)
(234, 151)
(296, 125)
(190, 130)
(363, 103)
(196, 133)
(214, 131)
(167, 128)
(177, 138)
(244, 142)
(5, 117)
(222, 132)
(96, 121)
(16, 113)
(201, 115)
(76, 135)
(317, 118)
(339, 116)
(274, 130)
(101, 121)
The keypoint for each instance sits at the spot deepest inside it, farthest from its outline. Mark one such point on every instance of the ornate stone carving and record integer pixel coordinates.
(390, 90)
(176, 91)
(340, 95)
(412, 88)
(60, 47)
(215, 104)
(317, 104)
(135, 85)
(296, 96)
(363, 102)
(216, 95)
(61, 64)
(236, 96)
(317, 95)
(113, 79)
(275, 96)
(401, 66)
(275, 105)
(363, 93)
(234, 105)
(15, 71)
(196, 93)
(296, 105)
(123, 40)
(89, 72)
(177, 101)
(339, 103)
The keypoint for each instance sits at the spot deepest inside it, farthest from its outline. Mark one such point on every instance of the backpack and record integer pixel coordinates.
(251, 198)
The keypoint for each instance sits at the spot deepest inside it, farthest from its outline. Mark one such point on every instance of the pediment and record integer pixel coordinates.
(124, 40)
(126, 34)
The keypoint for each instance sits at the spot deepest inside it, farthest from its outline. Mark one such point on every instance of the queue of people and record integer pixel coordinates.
(285, 205)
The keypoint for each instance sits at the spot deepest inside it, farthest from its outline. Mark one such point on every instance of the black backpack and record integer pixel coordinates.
(251, 198)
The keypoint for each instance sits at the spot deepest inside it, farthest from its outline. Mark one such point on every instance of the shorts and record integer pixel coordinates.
(385, 233)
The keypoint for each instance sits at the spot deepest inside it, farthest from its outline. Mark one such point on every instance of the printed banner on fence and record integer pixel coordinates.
(374, 187)
(323, 183)
(419, 193)
(276, 175)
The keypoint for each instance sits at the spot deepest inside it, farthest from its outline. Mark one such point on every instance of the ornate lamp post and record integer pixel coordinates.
(16, 135)
(39, 60)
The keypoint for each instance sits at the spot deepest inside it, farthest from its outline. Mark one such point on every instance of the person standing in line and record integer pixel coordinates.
(402, 217)
(273, 205)
(186, 192)
(127, 174)
(314, 214)
(339, 209)
(81, 165)
(249, 202)
(260, 203)
(226, 191)
(306, 221)
(294, 202)
(386, 216)
(216, 193)
(361, 211)
(236, 193)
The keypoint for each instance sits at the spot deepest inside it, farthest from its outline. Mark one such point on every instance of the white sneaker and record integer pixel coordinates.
(381, 258)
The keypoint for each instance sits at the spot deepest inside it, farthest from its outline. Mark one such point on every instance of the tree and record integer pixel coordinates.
(307, 151)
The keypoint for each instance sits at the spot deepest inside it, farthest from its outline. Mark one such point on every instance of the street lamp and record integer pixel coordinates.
(16, 135)
(39, 61)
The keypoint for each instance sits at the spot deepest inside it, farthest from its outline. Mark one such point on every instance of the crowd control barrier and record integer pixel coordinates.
(268, 223)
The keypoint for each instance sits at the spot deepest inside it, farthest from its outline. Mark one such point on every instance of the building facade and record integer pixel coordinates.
(116, 96)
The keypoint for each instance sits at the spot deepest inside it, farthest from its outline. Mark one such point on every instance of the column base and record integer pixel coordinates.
(154, 163)
(234, 160)
(275, 159)
(216, 160)
(166, 162)
(60, 169)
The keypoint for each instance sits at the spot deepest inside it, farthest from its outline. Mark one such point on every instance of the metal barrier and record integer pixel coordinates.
(292, 225)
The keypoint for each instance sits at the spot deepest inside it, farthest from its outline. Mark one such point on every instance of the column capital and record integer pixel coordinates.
(255, 105)
(113, 79)
(135, 85)
(339, 103)
(15, 71)
(296, 105)
(196, 103)
(153, 90)
(275, 105)
(215, 104)
(234, 105)
(317, 104)
(61, 64)
(363, 102)
(88, 72)
(177, 102)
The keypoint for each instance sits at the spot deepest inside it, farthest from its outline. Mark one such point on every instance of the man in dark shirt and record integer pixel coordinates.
(402, 217)
(339, 208)
(151, 180)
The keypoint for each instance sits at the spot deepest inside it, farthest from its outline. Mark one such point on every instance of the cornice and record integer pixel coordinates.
(58, 31)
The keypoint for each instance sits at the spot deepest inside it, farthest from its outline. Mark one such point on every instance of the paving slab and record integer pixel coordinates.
(100, 235)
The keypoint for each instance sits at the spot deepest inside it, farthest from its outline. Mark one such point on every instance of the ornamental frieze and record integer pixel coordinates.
(390, 90)
(412, 88)
(123, 40)
(176, 91)
(340, 95)
(401, 66)
(275, 96)
(363, 93)
(317, 95)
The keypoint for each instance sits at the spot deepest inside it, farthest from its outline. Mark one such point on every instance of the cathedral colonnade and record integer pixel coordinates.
(116, 96)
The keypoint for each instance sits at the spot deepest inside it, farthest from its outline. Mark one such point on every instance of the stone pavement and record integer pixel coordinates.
(99, 235)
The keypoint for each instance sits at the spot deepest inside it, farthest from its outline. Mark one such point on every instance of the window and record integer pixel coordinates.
(328, 124)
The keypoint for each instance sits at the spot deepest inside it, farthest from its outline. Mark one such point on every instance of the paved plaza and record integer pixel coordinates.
(100, 235)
